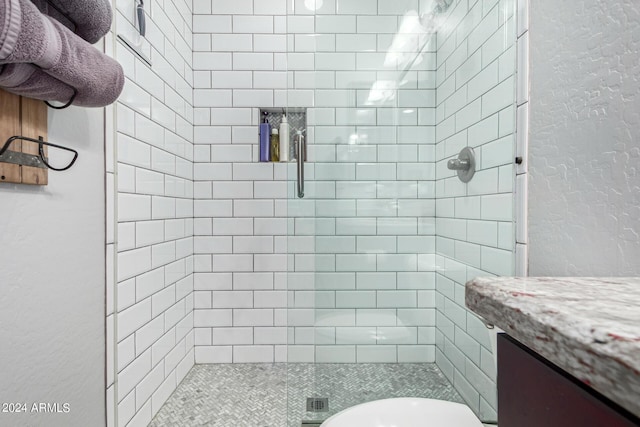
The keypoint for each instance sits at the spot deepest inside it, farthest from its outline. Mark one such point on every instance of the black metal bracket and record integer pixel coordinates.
(68, 104)
(40, 161)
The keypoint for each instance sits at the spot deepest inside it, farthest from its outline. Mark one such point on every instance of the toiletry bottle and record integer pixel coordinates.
(275, 145)
(284, 139)
(265, 133)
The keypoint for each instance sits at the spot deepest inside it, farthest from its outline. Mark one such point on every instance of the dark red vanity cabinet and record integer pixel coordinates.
(532, 392)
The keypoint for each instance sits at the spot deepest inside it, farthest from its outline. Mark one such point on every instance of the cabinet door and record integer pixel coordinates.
(535, 393)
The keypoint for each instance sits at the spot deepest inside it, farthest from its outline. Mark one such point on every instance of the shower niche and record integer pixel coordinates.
(297, 120)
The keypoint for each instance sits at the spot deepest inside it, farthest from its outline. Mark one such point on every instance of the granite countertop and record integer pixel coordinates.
(590, 327)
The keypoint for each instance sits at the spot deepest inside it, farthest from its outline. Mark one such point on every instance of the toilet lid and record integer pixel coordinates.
(405, 412)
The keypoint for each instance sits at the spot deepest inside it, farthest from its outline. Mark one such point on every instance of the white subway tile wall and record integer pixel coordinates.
(475, 235)
(346, 274)
(150, 336)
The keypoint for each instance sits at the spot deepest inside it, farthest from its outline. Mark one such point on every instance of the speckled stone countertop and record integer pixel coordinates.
(590, 327)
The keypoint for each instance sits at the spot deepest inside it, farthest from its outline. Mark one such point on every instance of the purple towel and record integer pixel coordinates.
(89, 19)
(28, 80)
(47, 9)
(27, 36)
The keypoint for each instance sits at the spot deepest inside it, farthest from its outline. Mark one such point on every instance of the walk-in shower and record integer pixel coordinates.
(303, 306)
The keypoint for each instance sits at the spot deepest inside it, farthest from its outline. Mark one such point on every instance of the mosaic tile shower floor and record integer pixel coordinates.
(256, 395)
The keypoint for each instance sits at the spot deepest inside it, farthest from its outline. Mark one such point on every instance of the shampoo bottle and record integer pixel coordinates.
(284, 139)
(265, 133)
(275, 146)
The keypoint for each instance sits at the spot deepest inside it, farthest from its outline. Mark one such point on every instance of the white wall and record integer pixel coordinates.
(359, 247)
(584, 138)
(52, 279)
(151, 289)
(474, 221)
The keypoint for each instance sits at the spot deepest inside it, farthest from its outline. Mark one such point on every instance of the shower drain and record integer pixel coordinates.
(317, 404)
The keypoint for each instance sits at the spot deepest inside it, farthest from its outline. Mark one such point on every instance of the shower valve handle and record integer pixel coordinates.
(465, 164)
(458, 164)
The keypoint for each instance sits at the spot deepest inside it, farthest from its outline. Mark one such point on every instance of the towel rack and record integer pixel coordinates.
(25, 153)
(37, 161)
(26, 117)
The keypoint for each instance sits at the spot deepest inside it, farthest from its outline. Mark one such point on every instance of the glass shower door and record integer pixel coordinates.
(385, 237)
(361, 277)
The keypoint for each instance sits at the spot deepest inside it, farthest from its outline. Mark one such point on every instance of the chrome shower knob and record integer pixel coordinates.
(458, 165)
(465, 164)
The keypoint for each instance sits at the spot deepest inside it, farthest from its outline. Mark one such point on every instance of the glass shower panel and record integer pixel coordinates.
(361, 277)
(385, 237)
